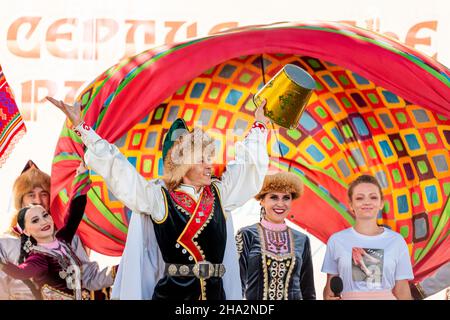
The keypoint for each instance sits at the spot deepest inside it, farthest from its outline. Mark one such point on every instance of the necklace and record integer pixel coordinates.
(278, 239)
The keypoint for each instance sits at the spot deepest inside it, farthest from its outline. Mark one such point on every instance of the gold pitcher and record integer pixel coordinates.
(287, 95)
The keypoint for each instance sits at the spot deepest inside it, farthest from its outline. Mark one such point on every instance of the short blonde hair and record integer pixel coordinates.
(190, 149)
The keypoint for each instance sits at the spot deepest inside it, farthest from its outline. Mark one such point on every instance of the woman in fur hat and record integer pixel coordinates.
(180, 243)
(33, 187)
(275, 260)
(46, 255)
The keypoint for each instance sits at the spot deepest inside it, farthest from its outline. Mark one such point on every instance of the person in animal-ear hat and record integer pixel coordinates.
(32, 187)
(180, 244)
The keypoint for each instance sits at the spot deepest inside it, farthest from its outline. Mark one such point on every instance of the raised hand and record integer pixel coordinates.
(331, 297)
(72, 112)
(259, 113)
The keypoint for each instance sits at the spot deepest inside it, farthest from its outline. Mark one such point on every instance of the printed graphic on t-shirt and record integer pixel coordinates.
(367, 266)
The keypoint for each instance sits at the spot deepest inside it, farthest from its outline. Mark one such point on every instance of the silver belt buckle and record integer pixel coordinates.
(203, 270)
(172, 270)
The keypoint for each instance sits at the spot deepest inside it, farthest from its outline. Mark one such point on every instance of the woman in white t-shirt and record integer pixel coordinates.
(372, 261)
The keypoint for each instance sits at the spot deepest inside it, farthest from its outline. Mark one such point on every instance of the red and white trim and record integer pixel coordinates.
(82, 128)
(259, 125)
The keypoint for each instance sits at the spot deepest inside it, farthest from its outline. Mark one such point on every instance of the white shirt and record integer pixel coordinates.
(367, 263)
(142, 265)
(190, 190)
(242, 179)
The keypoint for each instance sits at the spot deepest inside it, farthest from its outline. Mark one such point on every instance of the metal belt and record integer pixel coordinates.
(201, 270)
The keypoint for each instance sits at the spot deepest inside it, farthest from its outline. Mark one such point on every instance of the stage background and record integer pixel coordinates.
(51, 47)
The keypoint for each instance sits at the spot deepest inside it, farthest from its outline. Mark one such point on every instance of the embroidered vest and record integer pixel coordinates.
(70, 269)
(191, 232)
(278, 261)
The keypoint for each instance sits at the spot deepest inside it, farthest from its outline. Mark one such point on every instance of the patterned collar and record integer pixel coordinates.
(273, 226)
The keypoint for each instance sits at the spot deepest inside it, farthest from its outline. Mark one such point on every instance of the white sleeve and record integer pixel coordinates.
(122, 179)
(403, 269)
(92, 277)
(244, 176)
(437, 281)
(231, 278)
(4, 292)
(330, 265)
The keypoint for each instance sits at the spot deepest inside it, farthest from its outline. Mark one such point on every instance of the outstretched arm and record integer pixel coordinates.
(93, 278)
(244, 176)
(80, 186)
(122, 179)
(34, 265)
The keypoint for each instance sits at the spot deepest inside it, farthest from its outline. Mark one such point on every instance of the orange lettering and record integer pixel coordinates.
(13, 41)
(223, 27)
(94, 33)
(148, 27)
(26, 107)
(48, 87)
(74, 87)
(413, 40)
(105, 29)
(192, 30)
(373, 24)
(175, 26)
(89, 52)
(53, 35)
(391, 35)
(352, 23)
(35, 91)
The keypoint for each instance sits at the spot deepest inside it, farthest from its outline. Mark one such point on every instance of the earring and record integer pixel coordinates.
(262, 213)
(27, 245)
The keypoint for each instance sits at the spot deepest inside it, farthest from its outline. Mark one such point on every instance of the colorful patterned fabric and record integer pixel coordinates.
(12, 127)
(379, 108)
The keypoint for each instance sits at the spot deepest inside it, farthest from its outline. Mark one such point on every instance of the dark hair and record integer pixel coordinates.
(23, 237)
(365, 178)
(21, 216)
